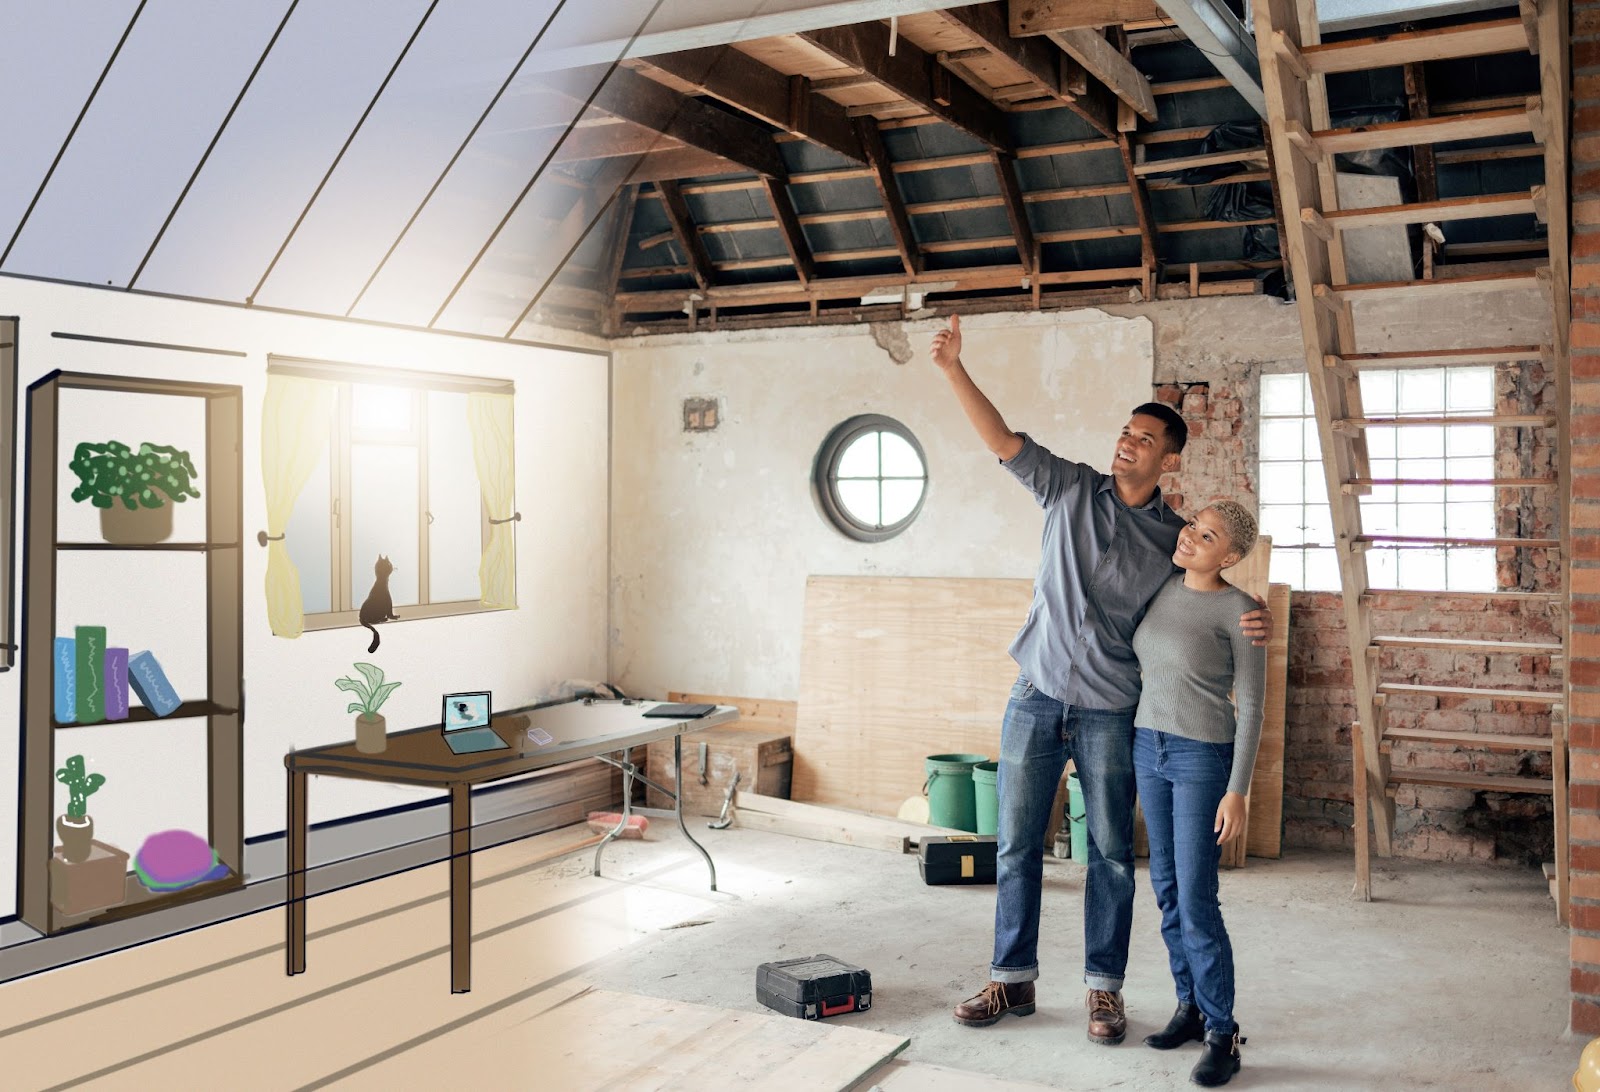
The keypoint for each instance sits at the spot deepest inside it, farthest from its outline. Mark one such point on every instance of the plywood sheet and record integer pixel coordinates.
(894, 669)
(1265, 836)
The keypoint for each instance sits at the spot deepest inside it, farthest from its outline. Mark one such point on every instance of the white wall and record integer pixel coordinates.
(557, 634)
(715, 533)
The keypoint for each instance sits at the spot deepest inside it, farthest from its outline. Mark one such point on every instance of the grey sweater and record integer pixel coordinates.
(1192, 653)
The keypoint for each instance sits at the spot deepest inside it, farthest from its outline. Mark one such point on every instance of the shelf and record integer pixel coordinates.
(192, 547)
(143, 713)
(141, 901)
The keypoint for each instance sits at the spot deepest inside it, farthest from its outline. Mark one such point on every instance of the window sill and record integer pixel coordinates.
(349, 619)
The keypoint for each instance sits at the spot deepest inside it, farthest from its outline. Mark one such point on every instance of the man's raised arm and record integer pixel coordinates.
(991, 427)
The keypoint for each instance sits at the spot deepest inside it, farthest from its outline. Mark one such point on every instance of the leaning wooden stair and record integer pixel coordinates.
(1294, 63)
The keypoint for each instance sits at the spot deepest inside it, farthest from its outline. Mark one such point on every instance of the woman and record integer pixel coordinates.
(1192, 760)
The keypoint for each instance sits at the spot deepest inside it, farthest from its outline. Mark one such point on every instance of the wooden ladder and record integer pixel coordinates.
(1294, 63)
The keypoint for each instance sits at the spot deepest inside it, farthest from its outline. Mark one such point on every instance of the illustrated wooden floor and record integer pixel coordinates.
(214, 1008)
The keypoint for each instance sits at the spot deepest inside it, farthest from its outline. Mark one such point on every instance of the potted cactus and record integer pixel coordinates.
(143, 481)
(372, 692)
(76, 827)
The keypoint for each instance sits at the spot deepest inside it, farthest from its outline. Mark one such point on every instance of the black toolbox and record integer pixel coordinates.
(812, 987)
(957, 858)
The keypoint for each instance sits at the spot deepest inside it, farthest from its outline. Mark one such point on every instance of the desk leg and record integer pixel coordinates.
(627, 810)
(677, 804)
(460, 888)
(295, 867)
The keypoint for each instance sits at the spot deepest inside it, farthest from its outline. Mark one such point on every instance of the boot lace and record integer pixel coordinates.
(1104, 1000)
(992, 996)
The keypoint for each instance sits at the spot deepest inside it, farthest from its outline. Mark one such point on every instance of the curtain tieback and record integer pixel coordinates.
(263, 538)
(515, 517)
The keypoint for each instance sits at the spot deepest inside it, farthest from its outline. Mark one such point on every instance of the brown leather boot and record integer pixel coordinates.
(995, 1000)
(1108, 1021)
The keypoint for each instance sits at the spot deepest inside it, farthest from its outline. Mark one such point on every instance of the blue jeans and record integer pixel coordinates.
(1036, 739)
(1181, 782)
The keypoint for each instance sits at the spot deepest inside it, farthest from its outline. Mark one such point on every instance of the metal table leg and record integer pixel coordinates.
(295, 867)
(627, 808)
(460, 888)
(677, 805)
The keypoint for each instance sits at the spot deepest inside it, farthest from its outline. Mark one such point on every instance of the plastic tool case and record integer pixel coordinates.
(957, 859)
(813, 987)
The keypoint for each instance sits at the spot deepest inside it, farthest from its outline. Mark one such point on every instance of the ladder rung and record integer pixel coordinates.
(1400, 134)
(1354, 484)
(1479, 596)
(1449, 779)
(1534, 647)
(1367, 541)
(1482, 741)
(1433, 358)
(1335, 293)
(1498, 420)
(1552, 697)
(1410, 47)
(1423, 212)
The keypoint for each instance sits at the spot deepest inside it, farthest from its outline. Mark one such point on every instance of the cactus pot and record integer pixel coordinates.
(370, 733)
(77, 837)
(124, 526)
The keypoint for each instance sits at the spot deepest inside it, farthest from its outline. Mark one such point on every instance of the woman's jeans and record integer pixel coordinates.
(1038, 736)
(1181, 782)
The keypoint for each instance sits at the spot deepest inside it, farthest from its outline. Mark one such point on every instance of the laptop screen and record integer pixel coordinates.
(463, 711)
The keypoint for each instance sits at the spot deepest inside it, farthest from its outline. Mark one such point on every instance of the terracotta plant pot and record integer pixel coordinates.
(370, 733)
(77, 837)
(123, 526)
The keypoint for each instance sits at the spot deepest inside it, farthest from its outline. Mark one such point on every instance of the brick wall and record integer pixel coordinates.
(1584, 646)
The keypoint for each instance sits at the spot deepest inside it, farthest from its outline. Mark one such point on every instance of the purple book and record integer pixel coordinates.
(116, 684)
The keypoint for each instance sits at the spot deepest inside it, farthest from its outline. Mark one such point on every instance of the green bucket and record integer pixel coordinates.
(951, 802)
(985, 797)
(1077, 820)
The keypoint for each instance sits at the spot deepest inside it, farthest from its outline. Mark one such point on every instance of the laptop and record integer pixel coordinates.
(465, 721)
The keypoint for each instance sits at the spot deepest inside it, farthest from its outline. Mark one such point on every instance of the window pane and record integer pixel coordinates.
(1422, 392)
(899, 498)
(380, 409)
(1420, 442)
(1284, 395)
(1470, 520)
(1470, 494)
(1316, 484)
(1471, 570)
(1281, 483)
(1471, 440)
(1377, 393)
(1288, 567)
(1313, 440)
(860, 459)
(308, 539)
(1472, 468)
(455, 531)
(899, 458)
(1379, 519)
(1471, 390)
(1422, 521)
(1382, 566)
(1422, 569)
(860, 500)
(1282, 522)
(1322, 570)
(1319, 524)
(383, 519)
(1281, 440)
(1380, 443)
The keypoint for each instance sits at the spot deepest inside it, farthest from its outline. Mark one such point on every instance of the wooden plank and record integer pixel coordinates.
(1410, 47)
(1032, 17)
(1016, 212)
(683, 229)
(903, 1076)
(1264, 838)
(1486, 741)
(1142, 213)
(1495, 420)
(618, 138)
(794, 236)
(1448, 779)
(1182, 163)
(1090, 49)
(1534, 648)
(1534, 697)
(1358, 777)
(1423, 212)
(680, 163)
(1434, 358)
(1428, 130)
(1430, 540)
(905, 239)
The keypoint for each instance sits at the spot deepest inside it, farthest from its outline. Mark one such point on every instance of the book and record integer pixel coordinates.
(150, 683)
(91, 674)
(66, 684)
(116, 684)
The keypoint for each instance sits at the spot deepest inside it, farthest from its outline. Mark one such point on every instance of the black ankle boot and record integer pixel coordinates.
(1186, 1026)
(1219, 1059)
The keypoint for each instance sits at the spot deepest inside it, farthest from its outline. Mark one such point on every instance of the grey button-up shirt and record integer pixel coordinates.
(1101, 563)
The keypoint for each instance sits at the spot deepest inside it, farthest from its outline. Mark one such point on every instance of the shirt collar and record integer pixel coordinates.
(1155, 504)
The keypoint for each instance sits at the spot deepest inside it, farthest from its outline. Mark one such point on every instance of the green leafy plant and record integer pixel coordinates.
(370, 688)
(80, 785)
(145, 478)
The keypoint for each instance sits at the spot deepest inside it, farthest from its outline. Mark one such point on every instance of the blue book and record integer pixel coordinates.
(150, 683)
(116, 684)
(66, 703)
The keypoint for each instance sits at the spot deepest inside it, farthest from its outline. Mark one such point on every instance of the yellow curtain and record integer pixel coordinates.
(490, 418)
(295, 422)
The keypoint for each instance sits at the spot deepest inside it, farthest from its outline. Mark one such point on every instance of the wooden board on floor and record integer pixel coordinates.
(1265, 836)
(903, 1076)
(894, 669)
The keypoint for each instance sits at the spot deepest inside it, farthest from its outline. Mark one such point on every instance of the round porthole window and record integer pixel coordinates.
(871, 477)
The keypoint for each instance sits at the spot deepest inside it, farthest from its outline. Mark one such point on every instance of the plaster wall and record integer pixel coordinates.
(556, 635)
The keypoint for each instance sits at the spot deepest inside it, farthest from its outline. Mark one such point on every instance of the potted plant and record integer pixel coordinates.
(372, 692)
(76, 827)
(142, 480)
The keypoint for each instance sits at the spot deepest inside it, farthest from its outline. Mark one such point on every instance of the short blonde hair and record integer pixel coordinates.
(1239, 523)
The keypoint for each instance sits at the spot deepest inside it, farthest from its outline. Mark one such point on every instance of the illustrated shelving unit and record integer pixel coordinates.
(222, 707)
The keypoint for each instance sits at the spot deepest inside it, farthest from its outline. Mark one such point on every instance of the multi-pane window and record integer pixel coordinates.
(871, 477)
(1294, 506)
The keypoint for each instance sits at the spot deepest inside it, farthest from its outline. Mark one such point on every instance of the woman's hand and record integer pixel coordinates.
(1257, 625)
(1230, 817)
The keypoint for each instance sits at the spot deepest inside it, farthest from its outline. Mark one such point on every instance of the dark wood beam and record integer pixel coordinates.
(615, 253)
(740, 80)
(1425, 168)
(625, 94)
(889, 192)
(1143, 214)
(916, 76)
(681, 163)
(1005, 167)
(1041, 16)
(1090, 49)
(564, 237)
(794, 236)
(1040, 58)
(607, 141)
(682, 223)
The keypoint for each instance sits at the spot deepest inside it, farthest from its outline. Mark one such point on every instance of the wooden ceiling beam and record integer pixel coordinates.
(678, 216)
(607, 141)
(889, 193)
(1005, 167)
(679, 163)
(794, 236)
(1042, 61)
(788, 102)
(1031, 17)
(916, 76)
(1106, 64)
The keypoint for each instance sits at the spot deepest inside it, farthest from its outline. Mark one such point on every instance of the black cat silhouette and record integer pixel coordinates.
(378, 605)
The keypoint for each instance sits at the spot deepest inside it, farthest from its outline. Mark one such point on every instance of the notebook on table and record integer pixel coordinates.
(465, 722)
(680, 710)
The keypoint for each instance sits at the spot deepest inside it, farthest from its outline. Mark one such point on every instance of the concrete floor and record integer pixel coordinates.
(1455, 978)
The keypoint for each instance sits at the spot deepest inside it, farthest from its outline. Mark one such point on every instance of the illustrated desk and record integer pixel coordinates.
(577, 730)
